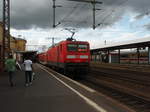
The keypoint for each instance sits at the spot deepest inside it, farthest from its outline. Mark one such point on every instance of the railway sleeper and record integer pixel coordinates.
(119, 88)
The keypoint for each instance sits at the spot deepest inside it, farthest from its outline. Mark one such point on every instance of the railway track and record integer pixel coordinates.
(124, 77)
(131, 84)
(129, 67)
(126, 87)
(139, 77)
(121, 94)
(131, 101)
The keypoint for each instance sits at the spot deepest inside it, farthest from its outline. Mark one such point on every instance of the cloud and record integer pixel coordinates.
(147, 26)
(39, 14)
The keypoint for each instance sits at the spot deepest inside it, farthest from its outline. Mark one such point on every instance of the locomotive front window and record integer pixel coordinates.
(72, 47)
(82, 47)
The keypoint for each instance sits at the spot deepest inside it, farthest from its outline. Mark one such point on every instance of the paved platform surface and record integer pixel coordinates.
(45, 95)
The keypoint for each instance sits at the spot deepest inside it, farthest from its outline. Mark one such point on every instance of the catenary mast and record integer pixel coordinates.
(6, 29)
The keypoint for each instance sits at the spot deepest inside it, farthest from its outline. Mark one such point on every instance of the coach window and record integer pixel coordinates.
(82, 47)
(72, 47)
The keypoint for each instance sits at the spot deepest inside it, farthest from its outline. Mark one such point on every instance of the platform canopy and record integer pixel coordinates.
(127, 45)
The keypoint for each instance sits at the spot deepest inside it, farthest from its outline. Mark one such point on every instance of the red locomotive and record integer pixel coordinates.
(68, 55)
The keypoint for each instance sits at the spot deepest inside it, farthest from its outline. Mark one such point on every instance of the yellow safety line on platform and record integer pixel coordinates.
(87, 100)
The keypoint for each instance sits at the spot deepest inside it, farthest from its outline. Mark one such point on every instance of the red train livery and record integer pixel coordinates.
(67, 55)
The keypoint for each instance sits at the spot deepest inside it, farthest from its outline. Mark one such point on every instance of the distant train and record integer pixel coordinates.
(68, 55)
(132, 57)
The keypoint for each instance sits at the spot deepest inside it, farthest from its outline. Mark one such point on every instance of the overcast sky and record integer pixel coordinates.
(119, 20)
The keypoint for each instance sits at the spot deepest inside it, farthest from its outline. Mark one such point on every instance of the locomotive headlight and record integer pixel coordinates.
(71, 56)
(84, 57)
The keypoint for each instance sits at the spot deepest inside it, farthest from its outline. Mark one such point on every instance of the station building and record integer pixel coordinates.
(16, 44)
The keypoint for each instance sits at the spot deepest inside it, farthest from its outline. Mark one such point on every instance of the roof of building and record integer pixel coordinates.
(21, 39)
(145, 42)
(1, 23)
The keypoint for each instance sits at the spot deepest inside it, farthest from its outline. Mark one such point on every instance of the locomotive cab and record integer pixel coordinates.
(77, 56)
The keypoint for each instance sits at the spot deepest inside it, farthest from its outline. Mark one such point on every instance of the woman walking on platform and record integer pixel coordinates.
(28, 71)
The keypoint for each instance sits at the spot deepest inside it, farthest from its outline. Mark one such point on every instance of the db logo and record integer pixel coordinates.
(77, 61)
(77, 56)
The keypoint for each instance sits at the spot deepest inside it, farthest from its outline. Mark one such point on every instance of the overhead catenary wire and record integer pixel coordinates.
(85, 22)
(93, 2)
(70, 13)
(78, 23)
(68, 20)
(112, 11)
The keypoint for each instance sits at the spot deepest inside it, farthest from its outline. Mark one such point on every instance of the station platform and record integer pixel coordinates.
(50, 93)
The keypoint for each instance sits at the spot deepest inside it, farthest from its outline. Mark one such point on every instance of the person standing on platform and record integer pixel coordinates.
(10, 65)
(28, 71)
